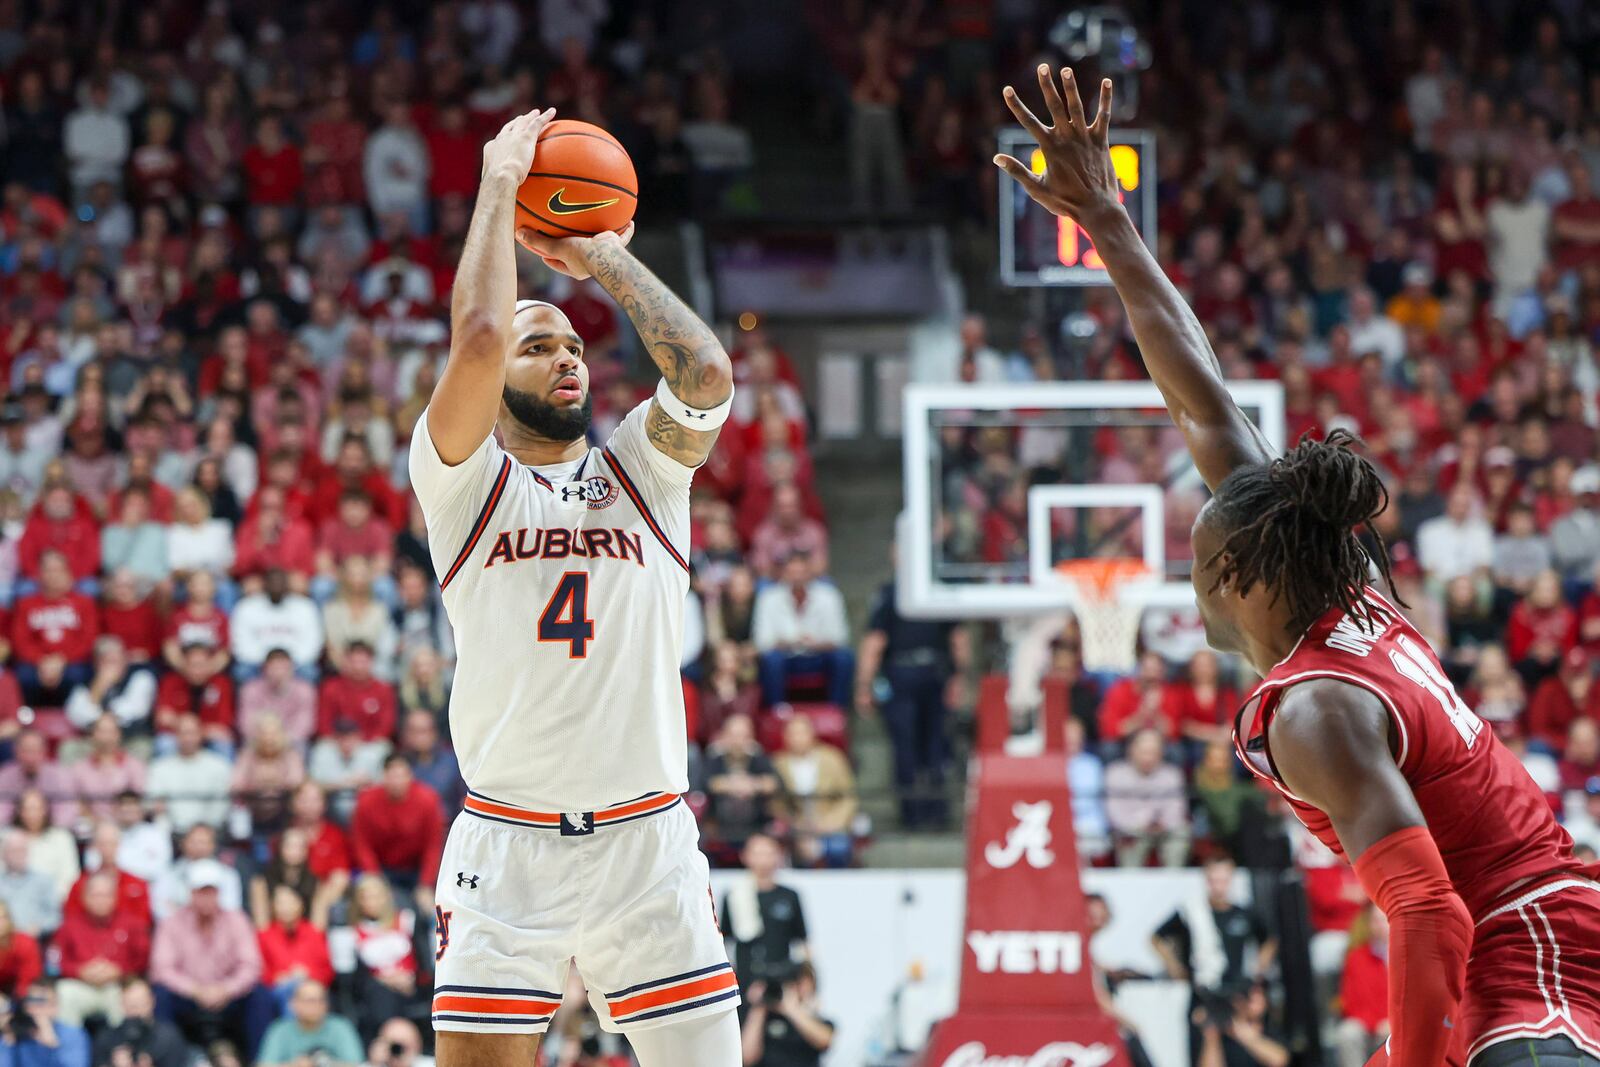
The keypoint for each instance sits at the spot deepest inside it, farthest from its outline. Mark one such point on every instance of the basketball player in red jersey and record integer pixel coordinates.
(1495, 943)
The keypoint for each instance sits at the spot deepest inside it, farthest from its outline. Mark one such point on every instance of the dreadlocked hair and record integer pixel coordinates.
(1294, 524)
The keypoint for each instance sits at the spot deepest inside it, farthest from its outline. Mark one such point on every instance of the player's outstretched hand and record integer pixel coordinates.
(1078, 178)
(569, 255)
(510, 154)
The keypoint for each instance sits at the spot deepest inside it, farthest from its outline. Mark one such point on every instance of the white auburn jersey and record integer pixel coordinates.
(565, 585)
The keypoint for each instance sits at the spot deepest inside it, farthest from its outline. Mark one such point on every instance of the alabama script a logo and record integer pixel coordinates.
(1029, 839)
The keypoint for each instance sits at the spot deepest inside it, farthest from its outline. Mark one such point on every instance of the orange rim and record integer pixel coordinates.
(1099, 578)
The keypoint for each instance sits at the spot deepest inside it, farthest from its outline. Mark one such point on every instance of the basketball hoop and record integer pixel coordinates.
(1107, 623)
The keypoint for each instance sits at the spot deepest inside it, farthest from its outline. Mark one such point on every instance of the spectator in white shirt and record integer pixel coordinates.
(1519, 234)
(195, 540)
(95, 139)
(1457, 543)
(799, 627)
(563, 19)
(1373, 331)
(171, 891)
(395, 166)
(145, 850)
(276, 618)
(191, 785)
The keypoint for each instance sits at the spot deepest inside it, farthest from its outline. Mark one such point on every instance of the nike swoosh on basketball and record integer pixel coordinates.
(564, 207)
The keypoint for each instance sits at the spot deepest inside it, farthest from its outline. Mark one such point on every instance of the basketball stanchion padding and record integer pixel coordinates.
(1027, 988)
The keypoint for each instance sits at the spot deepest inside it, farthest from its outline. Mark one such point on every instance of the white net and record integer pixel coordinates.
(1108, 623)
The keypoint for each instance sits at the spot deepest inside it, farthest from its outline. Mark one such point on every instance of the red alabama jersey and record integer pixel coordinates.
(1490, 821)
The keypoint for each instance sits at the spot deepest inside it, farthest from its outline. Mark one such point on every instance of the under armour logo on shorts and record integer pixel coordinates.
(466, 881)
(577, 823)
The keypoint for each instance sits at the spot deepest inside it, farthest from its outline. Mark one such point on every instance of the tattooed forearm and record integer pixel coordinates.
(675, 440)
(688, 354)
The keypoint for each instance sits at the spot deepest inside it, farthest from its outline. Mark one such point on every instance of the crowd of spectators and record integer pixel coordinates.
(227, 241)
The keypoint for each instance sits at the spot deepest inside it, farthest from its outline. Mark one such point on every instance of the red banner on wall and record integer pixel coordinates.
(1027, 994)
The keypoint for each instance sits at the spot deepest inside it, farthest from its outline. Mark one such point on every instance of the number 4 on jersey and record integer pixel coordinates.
(566, 616)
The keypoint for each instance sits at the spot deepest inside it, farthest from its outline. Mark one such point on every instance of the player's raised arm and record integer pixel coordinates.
(1079, 182)
(696, 391)
(467, 399)
(1330, 743)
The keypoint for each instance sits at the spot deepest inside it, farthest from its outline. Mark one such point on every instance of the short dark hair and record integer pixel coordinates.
(1291, 526)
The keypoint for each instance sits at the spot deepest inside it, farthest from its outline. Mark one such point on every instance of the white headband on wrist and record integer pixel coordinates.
(691, 417)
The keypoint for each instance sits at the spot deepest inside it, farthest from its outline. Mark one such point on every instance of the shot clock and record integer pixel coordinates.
(1037, 248)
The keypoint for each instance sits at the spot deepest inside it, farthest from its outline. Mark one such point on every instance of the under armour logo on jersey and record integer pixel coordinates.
(466, 881)
(577, 823)
(595, 493)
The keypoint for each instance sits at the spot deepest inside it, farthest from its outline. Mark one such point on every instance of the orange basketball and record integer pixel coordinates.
(582, 183)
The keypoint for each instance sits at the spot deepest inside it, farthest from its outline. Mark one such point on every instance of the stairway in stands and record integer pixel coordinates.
(862, 496)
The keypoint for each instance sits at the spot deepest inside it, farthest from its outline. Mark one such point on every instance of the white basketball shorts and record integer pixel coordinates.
(624, 892)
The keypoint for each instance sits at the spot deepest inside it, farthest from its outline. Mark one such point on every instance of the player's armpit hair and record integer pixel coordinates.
(1292, 526)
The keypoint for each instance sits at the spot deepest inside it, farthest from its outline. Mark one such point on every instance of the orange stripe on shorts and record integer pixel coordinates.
(657, 997)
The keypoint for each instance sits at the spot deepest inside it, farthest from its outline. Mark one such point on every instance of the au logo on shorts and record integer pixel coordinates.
(577, 823)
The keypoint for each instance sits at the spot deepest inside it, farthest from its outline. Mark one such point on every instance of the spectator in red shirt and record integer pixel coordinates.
(293, 949)
(58, 523)
(1580, 760)
(357, 695)
(1141, 702)
(1575, 224)
(334, 142)
(1589, 617)
(353, 469)
(133, 892)
(52, 635)
(196, 687)
(131, 617)
(1205, 706)
(273, 539)
(454, 150)
(1364, 989)
(1541, 629)
(99, 947)
(20, 962)
(327, 849)
(198, 622)
(398, 831)
(353, 531)
(787, 530)
(273, 171)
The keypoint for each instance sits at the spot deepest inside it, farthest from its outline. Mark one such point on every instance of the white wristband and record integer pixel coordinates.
(692, 418)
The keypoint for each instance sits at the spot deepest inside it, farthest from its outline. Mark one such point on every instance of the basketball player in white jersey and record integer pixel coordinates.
(564, 572)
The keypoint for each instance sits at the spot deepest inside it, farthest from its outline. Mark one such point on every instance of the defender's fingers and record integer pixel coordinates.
(1069, 81)
(1052, 97)
(1029, 121)
(1013, 167)
(1102, 121)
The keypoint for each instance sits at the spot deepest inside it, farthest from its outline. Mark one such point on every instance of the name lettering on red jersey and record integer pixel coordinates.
(1358, 636)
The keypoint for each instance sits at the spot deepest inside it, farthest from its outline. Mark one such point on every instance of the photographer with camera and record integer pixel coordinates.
(1234, 1031)
(398, 1044)
(30, 1035)
(140, 1039)
(782, 1027)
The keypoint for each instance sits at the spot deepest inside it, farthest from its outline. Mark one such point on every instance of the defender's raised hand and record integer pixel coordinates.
(510, 154)
(1078, 179)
